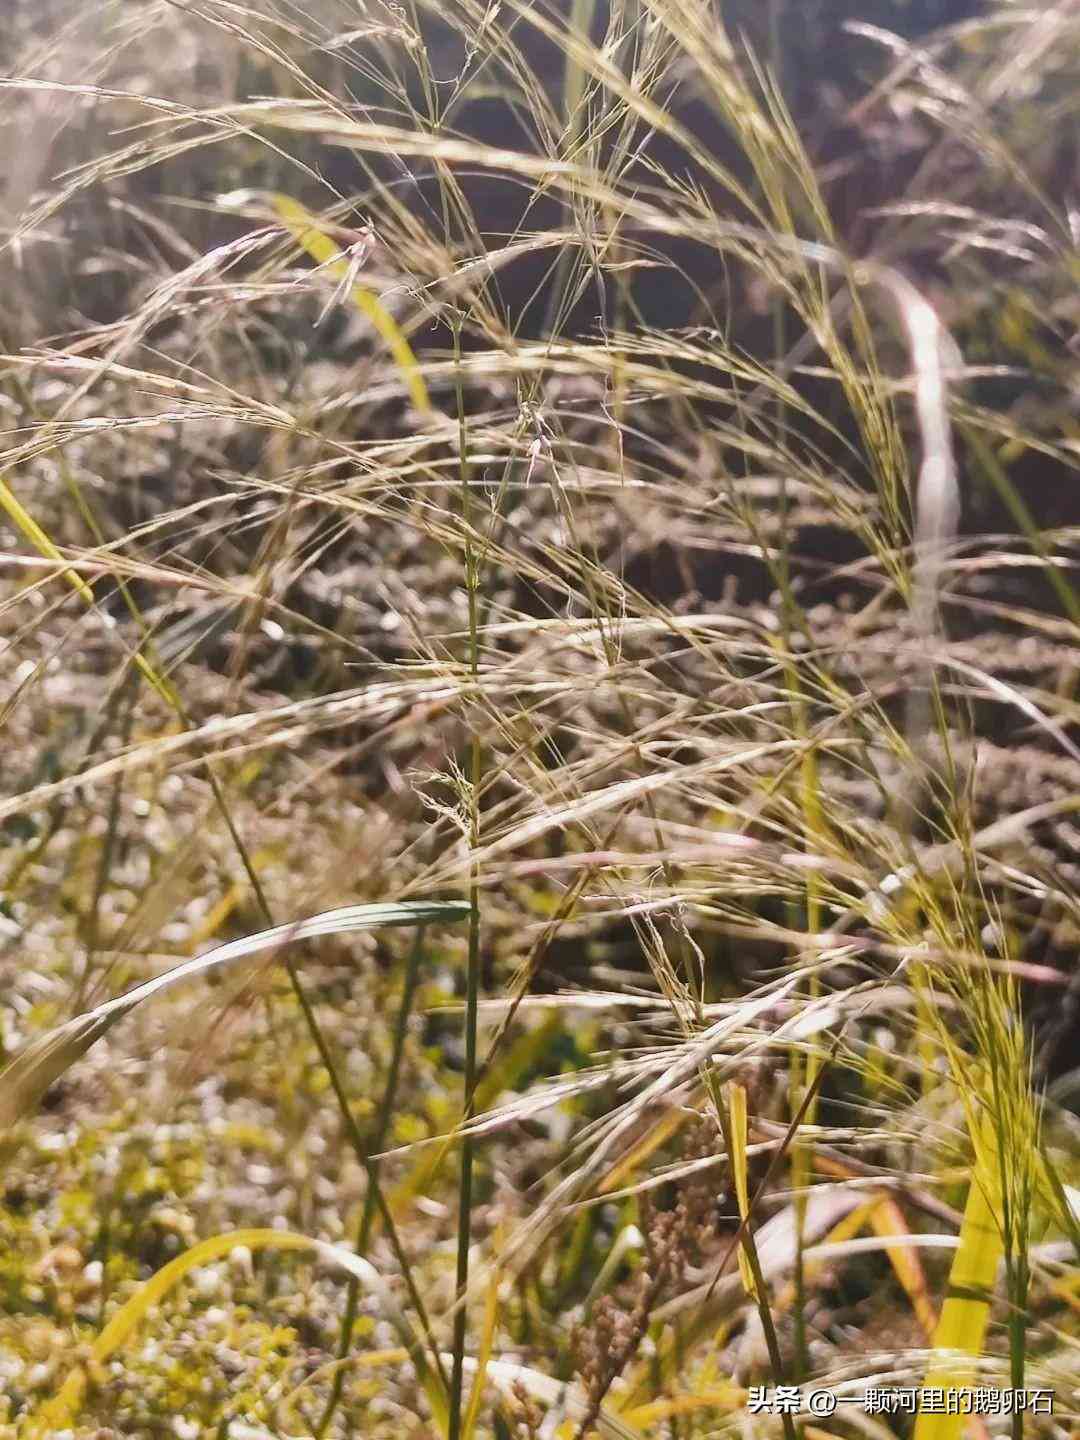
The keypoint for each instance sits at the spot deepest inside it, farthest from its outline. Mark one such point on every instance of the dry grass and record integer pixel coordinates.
(627, 532)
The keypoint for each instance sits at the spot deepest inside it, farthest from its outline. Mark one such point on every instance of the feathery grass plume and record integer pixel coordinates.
(774, 747)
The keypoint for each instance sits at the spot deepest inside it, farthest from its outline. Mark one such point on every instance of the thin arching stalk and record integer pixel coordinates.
(472, 979)
(375, 1144)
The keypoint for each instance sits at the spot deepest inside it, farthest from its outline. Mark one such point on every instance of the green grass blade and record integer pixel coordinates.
(961, 1330)
(61, 1411)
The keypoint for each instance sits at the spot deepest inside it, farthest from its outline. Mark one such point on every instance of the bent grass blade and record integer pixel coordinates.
(61, 1411)
(29, 1075)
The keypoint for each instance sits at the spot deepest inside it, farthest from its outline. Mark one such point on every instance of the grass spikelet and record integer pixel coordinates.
(316, 243)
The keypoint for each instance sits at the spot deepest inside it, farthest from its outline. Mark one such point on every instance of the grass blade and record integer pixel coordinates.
(961, 1329)
(29, 1075)
(62, 1409)
(741, 1174)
